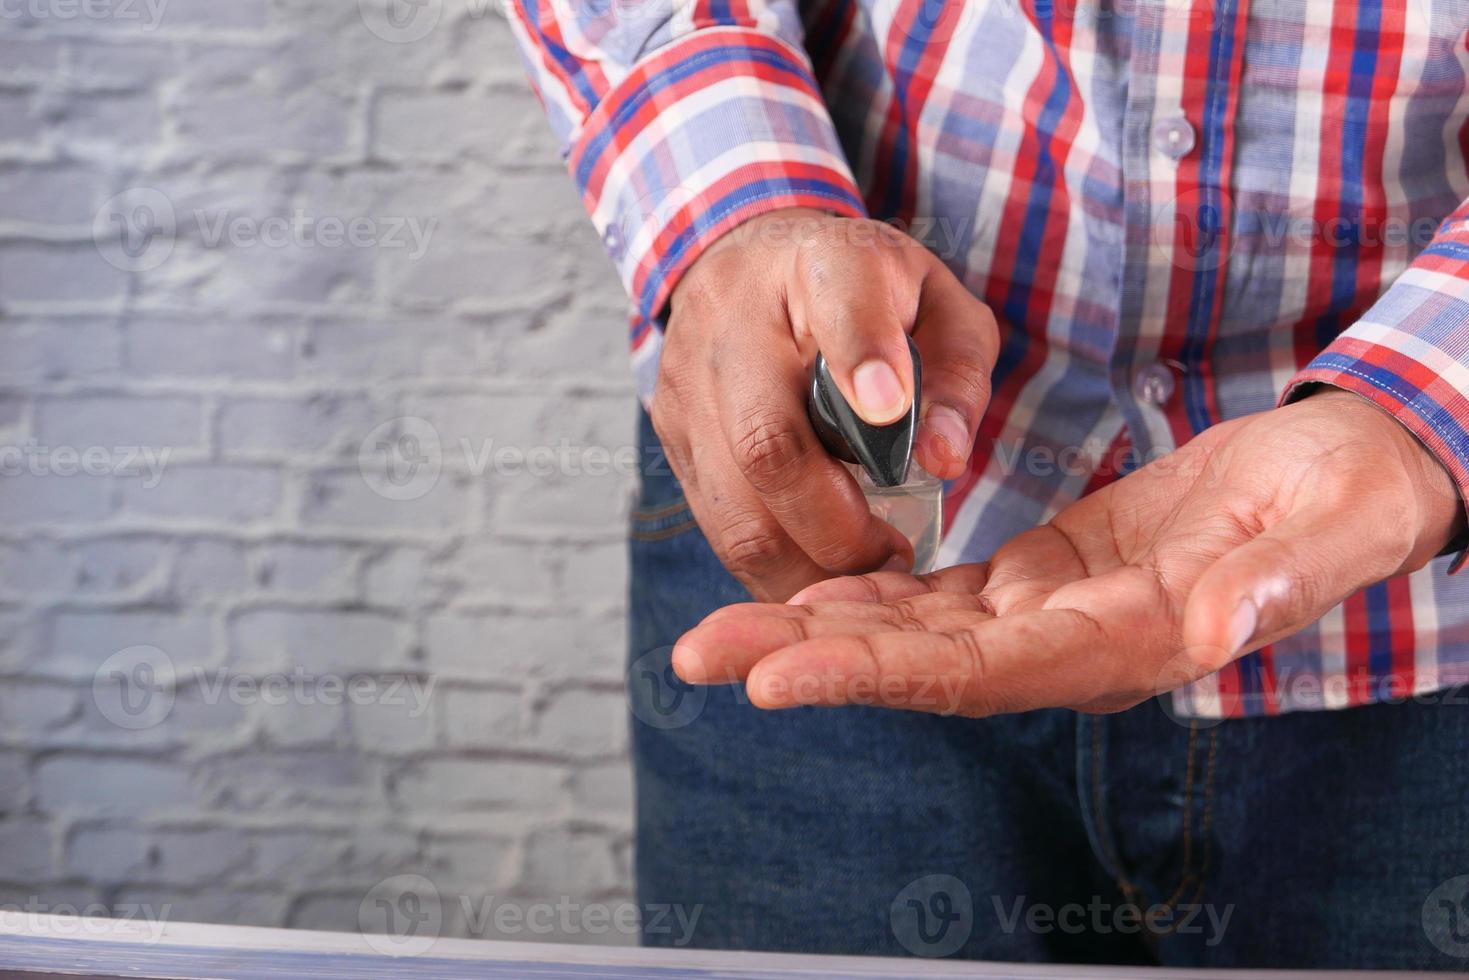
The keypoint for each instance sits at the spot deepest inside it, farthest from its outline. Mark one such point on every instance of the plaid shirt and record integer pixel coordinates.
(1178, 209)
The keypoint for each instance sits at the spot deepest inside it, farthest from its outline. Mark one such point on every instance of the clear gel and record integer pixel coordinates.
(916, 509)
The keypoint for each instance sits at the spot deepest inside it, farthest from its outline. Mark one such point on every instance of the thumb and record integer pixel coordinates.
(857, 298)
(1283, 580)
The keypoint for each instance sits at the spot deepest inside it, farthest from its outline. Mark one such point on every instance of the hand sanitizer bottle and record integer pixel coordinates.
(898, 490)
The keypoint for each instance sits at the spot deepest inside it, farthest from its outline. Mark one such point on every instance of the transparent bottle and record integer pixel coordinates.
(915, 508)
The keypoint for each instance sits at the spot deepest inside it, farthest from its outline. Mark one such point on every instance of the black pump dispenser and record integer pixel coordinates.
(884, 451)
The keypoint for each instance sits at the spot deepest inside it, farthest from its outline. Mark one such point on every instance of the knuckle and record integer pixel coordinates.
(973, 673)
(767, 449)
(963, 376)
(903, 615)
(755, 546)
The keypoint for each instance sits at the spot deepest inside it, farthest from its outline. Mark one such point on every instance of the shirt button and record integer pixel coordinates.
(1173, 137)
(612, 239)
(1153, 384)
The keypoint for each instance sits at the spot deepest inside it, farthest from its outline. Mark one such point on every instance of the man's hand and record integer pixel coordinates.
(745, 323)
(1245, 535)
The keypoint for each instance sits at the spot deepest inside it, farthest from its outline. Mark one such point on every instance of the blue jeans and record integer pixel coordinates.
(1327, 839)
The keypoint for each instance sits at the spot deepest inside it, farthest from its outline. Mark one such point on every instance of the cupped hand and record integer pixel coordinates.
(1245, 535)
(745, 323)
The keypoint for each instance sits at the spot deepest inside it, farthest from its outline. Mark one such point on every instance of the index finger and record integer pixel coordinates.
(811, 495)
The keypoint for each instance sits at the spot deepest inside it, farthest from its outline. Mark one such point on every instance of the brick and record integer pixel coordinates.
(457, 784)
(282, 779)
(594, 573)
(246, 16)
(15, 782)
(230, 494)
(32, 498)
(166, 346)
(203, 709)
(57, 273)
(470, 862)
(435, 126)
(27, 845)
(477, 718)
(263, 640)
(276, 426)
(283, 855)
(118, 565)
(297, 569)
(254, 271)
(404, 577)
(177, 856)
(207, 568)
(50, 195)
(526, 203)
(466, 269)
(285, 718)
(41, 351)
(19, 120)
(112, 785)
(583, 722)
(485, 565)
(245, 124)
(500, 645)
(530, 345)
(236, 906)
(173, 424)
(29, 709)
(604, 791)
(343, 498)
(401, 718)
(32, 59)
(214, 64)
(34, 566)
(105, 121)
(591, 503)
(397, 349)
(117, 63)
(365, 856)
(474, 431)
(558, 861)
(82, 640)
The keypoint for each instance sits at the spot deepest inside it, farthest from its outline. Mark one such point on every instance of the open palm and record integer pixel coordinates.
(1247, 534)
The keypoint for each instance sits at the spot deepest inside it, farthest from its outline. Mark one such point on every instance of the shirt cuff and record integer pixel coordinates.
(1409, 357)
(710, 131)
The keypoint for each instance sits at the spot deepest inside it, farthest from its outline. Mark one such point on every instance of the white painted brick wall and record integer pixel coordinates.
(267, 543)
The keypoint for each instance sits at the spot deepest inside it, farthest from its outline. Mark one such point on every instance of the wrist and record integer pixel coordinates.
(752, 239)
(1437, 517)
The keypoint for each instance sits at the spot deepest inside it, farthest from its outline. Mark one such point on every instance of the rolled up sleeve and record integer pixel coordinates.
(1409, 353)
(678, 124)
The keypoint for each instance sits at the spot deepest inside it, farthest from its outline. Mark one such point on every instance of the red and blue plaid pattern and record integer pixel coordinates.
(1179, 210)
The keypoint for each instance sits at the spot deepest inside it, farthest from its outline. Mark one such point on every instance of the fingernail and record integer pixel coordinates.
(1242, 625)
(880, 397)
(688, 665)
(949, 426)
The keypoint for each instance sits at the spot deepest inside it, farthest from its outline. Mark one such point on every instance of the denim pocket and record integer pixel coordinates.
(663, 521)
(662, 510)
